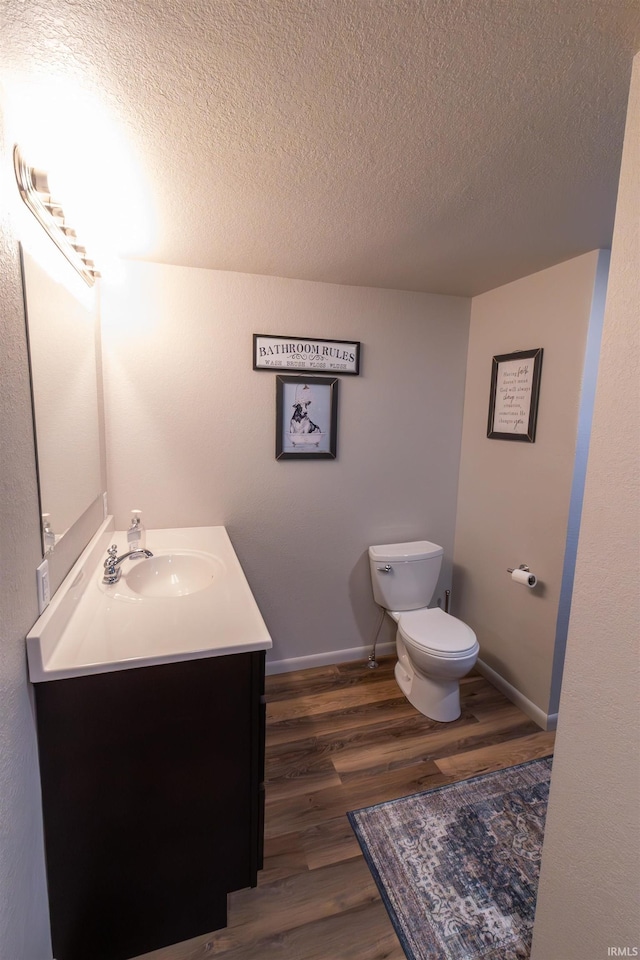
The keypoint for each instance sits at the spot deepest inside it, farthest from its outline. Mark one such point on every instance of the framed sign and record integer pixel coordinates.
(300, 353)
(513, 401)
(306, 418)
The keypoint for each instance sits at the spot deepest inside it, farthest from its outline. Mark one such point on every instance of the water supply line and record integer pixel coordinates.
(372, 663)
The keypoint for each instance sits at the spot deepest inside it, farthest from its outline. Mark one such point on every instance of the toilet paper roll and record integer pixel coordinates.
(524, 577)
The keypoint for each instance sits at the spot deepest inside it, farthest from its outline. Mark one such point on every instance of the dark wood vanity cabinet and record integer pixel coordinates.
(153, 799)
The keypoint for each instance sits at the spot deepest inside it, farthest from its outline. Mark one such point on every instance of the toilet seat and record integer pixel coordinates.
(437, 633)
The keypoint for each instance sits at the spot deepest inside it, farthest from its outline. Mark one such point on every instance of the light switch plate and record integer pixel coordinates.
(44, 593)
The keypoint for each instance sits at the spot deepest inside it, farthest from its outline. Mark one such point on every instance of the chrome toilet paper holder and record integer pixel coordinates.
(530, 580)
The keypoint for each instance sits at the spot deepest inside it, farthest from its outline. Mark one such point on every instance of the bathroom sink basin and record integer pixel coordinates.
(171, 575)
(189, 601)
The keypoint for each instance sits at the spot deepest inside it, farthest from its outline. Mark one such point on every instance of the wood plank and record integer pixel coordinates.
(339, 721)
(308, 779)
(336, 699)
(355, 668)
(368, 733)
(301, 812)
(365, 933)
(451, 737)
(331, 841)
(284, 856)
(496, 757)
(326, 679)
(475, 738)
(285, 686)
(394, 784)
(199, 948)
(272, 908)
(393, 722)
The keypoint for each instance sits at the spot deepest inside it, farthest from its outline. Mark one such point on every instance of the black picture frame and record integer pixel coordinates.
(514, 395)
(306, 422)
(315, 355)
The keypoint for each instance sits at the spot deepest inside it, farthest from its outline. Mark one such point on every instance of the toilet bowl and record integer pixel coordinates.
(434, 649)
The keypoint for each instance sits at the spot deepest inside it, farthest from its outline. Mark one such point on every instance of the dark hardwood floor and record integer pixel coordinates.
(339, 738)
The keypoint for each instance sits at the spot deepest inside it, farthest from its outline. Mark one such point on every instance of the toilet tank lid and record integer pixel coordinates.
(417, 550)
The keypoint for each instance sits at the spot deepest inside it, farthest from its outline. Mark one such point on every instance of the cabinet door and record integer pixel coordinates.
(148, 795)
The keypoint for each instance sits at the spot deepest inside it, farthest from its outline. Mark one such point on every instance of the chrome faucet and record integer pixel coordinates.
(112, 569)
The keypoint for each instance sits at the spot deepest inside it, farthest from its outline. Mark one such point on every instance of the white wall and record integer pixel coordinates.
(589, 894)
(24, 926)
(191, 434)
(514, 497)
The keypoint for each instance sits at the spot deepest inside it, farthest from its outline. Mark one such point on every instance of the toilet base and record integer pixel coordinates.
(438, 699)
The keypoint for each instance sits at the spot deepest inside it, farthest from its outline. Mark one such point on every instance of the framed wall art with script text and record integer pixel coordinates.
(513, 400)
(305, 355)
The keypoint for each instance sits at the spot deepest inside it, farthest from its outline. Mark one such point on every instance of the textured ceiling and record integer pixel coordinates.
(438, 145)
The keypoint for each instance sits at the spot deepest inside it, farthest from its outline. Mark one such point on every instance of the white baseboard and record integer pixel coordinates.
(333, 656)
(544, 720)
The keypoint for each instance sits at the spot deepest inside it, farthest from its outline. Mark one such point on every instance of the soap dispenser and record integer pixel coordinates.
(48, 535)
(136, 532)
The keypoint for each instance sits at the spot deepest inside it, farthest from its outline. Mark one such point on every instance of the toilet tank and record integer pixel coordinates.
(404, 575)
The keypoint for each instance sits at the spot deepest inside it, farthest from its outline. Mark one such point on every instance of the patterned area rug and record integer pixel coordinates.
(457, 867)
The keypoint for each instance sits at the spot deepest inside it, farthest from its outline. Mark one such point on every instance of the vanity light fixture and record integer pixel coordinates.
(33, 185)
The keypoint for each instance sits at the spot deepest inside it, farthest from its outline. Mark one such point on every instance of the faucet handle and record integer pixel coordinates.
(112, 554)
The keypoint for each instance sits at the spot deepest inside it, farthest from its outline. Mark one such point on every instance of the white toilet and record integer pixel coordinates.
(434, 649)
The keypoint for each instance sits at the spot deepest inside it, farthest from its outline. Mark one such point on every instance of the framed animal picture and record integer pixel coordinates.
(306, 418)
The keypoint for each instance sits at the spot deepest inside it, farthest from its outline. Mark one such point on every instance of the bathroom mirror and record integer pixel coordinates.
(62, 325)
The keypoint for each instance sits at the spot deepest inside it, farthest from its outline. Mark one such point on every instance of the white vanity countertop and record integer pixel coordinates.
(92, 628)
